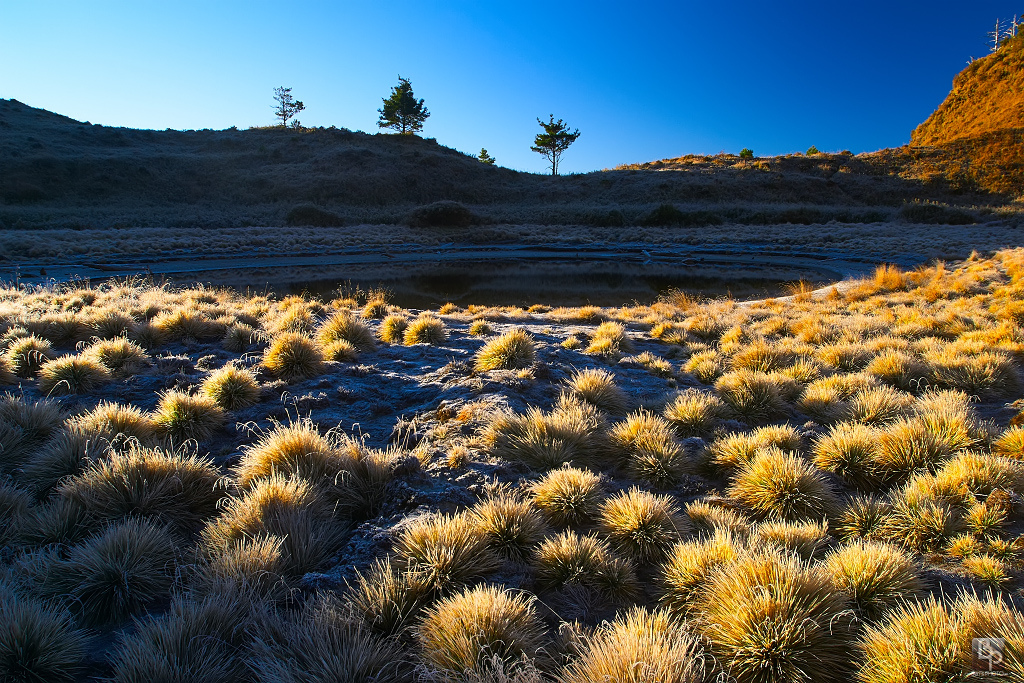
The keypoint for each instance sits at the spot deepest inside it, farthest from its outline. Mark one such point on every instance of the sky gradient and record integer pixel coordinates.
(642, 80)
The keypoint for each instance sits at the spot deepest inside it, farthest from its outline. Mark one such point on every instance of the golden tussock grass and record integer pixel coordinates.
(293, 357)
(513, 526)
(392, 328)
(387, 598)
(610, 341)
(849, 450)
(780, 485)
(425, 329)
(572, 559)
(71, 375)
(690, 564)
(640, 525)
(640, 646)
(708, 518)
(572, 432)
(738, 448)
(771, 618)
(238, 338)
(863, 517)
(513, 350)
(806, 539)
(464, 632)
(344, 326)
(653, 454)
(598, 387)
(449, 550)
(750, 395)
(182, 417)
(694, 412)
(232, 388)
(876, 577)
(568, 495)
(26, 355)
(120, 356)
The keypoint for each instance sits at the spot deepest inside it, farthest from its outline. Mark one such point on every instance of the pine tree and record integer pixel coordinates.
(555, 139)
(402, 111)
(486, 158)
(287, 106)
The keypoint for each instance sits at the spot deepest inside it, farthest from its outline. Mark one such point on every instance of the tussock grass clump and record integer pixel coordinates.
(694, 412)
(761, 356)
(1010, 443)
(513, 526)
(113, 419)
(610, 341)
(739, 448)
(425, 329)
(448, 550)
(922, 524)
(909, 445)
(987, 570)
(689, 566)
(297, 450)
(980, 474)
(879, 405)
(653, 454)
(864, 517)
(340, 351)
(877, 577)
(827, 398)
(58, 520)
(388, 598)
(803, 538)
(27, 354)
(392, 328)
(232, 388)
(169, 488)
(708, 519)
(24, 428)
(572, 432)
(114, 574)
(290, 509)
(640, 646)
(598, 388)
(186, 324)
(918, 641)
(478, 328)
(253, 567)
(899, 369)
(586, 561)
(707, 366)
(239, 338)
(847, 357)
(72, 375)
(771, 618)
(182, 416)
(849, 449)
(641, 525)
(780, 485)
(986, 372)
(7, 375)
(111, 324)
(568, 495)
(322, 644)
(196, 641)
(752, 396)
(119, 355)
(512, 350)
(344, 326)
(465, 632)
(293, 357)
(37, 641)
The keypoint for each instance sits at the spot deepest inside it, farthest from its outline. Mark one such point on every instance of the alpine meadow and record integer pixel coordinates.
(294, 403)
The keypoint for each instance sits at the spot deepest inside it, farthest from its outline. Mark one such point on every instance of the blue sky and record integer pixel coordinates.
(641, 80)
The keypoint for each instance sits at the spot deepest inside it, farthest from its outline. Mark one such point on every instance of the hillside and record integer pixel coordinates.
(987, 97)
(56, 172)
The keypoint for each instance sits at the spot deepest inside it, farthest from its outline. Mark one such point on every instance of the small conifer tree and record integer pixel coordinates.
(746, 153)
(812, 150)
(555, 139)
(287, 106)
(402, 111)
(486, 158)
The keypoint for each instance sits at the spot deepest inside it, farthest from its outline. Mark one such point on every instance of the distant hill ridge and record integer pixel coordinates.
(987, 97)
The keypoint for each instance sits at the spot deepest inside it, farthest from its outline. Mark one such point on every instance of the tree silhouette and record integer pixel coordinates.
(287, 106)
(555, 139)
(402, 111)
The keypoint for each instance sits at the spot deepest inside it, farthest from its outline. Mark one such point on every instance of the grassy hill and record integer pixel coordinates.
(58, 172)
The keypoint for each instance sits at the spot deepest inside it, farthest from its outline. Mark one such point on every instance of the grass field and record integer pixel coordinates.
(204, 486)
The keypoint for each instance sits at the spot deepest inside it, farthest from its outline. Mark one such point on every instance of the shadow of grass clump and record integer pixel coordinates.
(443, 214)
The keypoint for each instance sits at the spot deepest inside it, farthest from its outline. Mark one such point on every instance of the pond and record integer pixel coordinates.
(518, 282)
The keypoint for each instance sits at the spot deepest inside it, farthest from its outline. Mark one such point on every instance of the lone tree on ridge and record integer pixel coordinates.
(555, 139)
(287, 106)
(485, 157)
(402, 111)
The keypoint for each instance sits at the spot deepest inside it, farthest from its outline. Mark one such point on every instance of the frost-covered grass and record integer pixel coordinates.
(473, 497)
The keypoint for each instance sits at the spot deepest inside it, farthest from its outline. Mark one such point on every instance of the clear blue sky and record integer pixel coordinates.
(642, 80)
